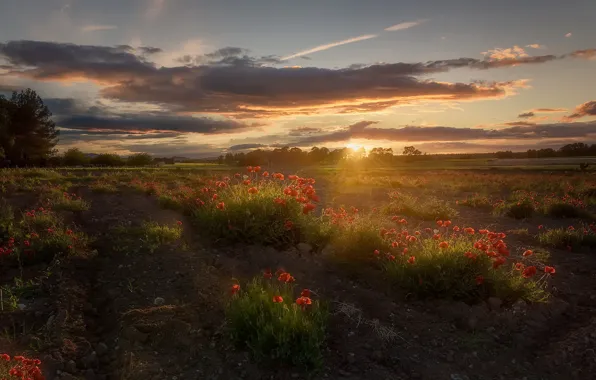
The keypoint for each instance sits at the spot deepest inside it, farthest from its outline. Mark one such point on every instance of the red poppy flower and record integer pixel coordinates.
(540, 227)
(528, 252)
(305, 293)
(253, 190)
(391, 257)
(235, 289)
(214, 196)
(412, 239)
(267, 274)
(436, 236)
(443, 245)
(249, 169)
(417, 233)
(405, 251)
(571, 228)
(440, 223)
(446, 223)
(483, 232)
(304, 301)
(265, 174)
(246, 182)
(285, 277)
(519, 266)
(469, 230)
(308, 208)
(471, 255)
(5, 357)
(549, 270)
(376, 252)
(412, 260)
(456, 229)
(498, 262)
(479, 280)
(278, 299)
(256, 169)
(178, 222)
(292, 177)
(288, 225)
(529, 272)
(221, 205)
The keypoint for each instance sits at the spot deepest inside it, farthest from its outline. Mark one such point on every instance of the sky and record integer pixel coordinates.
(200, 78)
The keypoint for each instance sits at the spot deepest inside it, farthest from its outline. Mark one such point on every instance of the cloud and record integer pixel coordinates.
(304, 131)
(246, 146)
(549, 110)
(586, 109)
(228, 56)
(520, 131)
(148, 50)
(585, 54)
(405, 25)
(231, 83)
(522, 123)
(526, 114)
(330, 45)
(155, 8)
(498, 54)
(97, 28)
(536, 46)
(568, 35)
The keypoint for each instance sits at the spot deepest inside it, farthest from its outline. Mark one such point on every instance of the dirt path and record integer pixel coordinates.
(159, 315)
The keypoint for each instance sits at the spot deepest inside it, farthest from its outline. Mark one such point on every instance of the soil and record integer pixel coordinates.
(159, 315)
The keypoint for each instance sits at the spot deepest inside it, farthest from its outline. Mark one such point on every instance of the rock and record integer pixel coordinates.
(70, 367)
(494, 303)
(90, 374)
(90, 361)
(101, 349)
(134, 335)
(304, 248)
(159, 301)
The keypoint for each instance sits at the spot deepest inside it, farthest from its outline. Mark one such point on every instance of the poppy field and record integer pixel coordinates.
(254, 273)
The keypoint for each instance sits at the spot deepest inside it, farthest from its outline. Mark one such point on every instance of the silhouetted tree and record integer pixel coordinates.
(411, 151)
(27, 132)
(139, 159)
(74, 157)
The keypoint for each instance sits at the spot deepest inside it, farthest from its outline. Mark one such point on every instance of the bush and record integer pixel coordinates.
(264, 212)
(74, 157)
(569, 238)
(278, 329)
(519, 210)
(139, 159)
(427, 208)
(106, 159)
(457, 264)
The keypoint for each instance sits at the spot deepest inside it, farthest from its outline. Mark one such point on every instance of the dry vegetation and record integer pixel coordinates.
(163, 273)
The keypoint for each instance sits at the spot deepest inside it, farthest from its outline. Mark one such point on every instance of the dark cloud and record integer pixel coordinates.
(526, 114)
(229, 81)
(585, 54)
(362, 130)
(548, 110)
(586, 109)
(304, 131)
(148, 50)
(525, 123)
(246, 146)
(173, 123)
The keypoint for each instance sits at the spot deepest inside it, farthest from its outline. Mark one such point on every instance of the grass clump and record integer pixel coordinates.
(147, 237)
(426, 208)
(103, 187)
(477, 201)
(272, 212)
(64, 201)
(456, 264)
(516, 210)
(570, 238)
(277, 324)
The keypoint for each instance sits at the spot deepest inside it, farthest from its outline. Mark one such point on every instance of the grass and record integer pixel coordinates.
(569, 238)
(147, 237)
(277, 332)
(453, 266)
(427, 208)
(63, 201)
(477, 201)
(104, 187)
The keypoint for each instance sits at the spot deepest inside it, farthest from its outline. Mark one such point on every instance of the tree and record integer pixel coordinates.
(106, 159)
(411, 151)
(74, 157)
(27, 132)
(139, 159)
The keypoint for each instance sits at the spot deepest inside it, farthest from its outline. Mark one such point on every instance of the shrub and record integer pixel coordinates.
(19, 367)
(272, 212)
(569, 238)
(266, 318)
(103, 187)
(457, 264)
(74, 157)
(427, 208)
(147, 237)
(518, 210)
(139, 159)
(62, 200)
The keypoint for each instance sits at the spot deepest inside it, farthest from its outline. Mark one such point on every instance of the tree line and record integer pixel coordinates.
(28, 137)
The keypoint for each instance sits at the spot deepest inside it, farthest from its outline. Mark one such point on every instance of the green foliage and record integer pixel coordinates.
(519, 210)
(477, 201)
(147, 237)
(106, 159)
(426, 208)
(139, 159)
(282, 332)
(574, 238)
(62, 200)
(74, 157)
(449, 273)
(103, 187)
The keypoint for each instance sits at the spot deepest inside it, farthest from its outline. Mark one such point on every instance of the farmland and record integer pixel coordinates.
(213, 272)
